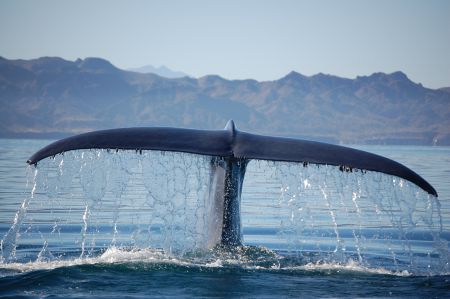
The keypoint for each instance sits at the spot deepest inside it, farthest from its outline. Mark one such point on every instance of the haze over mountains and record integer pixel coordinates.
(51, 97)
(162, 71)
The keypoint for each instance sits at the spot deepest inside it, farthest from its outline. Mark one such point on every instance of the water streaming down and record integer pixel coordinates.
(322, 215)
(85, 201)
(89, 204)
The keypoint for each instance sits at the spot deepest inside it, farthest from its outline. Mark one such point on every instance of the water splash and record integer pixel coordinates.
(85, 200)
(320, 214)
(106, 206)
(247, 258)
(8, 244)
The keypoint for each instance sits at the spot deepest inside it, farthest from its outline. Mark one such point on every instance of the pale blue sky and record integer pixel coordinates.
(263, 40)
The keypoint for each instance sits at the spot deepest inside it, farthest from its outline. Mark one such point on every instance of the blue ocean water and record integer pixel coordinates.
(95, 223)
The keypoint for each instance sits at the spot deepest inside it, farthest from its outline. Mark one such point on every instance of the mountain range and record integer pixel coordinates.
(53, 97)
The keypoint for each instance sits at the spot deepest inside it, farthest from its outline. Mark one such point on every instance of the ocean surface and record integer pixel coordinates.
(96, 223)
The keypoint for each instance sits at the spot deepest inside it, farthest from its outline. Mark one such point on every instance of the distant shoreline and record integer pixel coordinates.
(388, 142)
(34, 135)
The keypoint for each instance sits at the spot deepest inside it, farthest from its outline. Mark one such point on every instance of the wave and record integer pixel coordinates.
(246, 258)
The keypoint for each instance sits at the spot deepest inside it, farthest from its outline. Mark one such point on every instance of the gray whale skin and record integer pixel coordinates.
(231, 150)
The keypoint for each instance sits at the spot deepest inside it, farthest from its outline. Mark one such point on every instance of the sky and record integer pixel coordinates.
(262, 40)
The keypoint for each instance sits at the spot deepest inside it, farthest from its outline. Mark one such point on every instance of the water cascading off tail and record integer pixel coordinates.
(87, 200)
(317, 214)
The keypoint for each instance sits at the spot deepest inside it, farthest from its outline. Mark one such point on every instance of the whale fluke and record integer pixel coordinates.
(232, 143)
(230, 151)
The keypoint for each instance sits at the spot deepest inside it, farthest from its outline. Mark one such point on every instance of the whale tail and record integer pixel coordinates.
(231, 150)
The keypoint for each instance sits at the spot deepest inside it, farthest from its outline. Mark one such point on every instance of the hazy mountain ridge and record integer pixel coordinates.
(52, 95)
(162, 71)
(446, 89)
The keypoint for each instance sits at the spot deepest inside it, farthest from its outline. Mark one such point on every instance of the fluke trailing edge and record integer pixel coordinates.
(231, 150)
